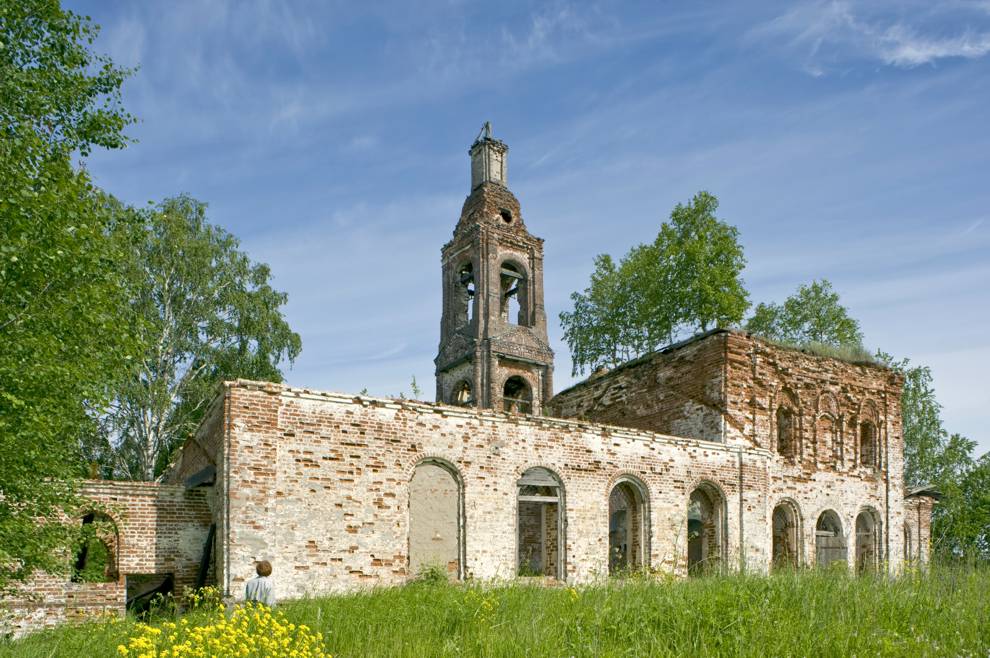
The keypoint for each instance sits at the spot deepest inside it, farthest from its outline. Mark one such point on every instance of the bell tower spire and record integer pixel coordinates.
(488, 159)
(494, 352)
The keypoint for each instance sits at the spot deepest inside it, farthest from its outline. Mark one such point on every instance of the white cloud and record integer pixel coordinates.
(903, 46)
(828, 34)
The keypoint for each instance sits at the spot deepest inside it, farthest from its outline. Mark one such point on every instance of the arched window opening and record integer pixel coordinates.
(867, 543)
(627, 534)
(513, 290)
(705, 519)
(517, 396)
(506, 216)
(435, 535)
(827, 448)
(909, 556)
(466, 300)
(461, 395)
(540, 524)
(786, 439)
(786, 550)
(830, 544)
(868, 444)
(97, 554)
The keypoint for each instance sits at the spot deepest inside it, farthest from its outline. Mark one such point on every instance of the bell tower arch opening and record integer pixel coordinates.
(494, 325)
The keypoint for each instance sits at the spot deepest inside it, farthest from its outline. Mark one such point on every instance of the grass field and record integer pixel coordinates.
(942, 613)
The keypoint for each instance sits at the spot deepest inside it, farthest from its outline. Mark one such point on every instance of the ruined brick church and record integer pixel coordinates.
(723, 451)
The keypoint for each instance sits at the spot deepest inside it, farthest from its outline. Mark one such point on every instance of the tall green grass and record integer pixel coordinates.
(942, 613)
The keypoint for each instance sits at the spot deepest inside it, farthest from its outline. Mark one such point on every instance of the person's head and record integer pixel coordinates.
(264, 568)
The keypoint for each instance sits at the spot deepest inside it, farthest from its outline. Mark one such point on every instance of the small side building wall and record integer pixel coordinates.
(161, 529)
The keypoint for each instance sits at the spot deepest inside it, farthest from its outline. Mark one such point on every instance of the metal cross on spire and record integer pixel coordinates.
(486, 132)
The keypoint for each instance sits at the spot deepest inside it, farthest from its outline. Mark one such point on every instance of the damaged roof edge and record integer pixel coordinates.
(673, 347)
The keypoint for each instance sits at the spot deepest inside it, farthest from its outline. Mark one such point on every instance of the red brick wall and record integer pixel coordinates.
(161, 529)
(678, 391)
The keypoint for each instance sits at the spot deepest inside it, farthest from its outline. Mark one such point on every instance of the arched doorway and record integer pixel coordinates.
(627, 521)
(705, 521)
(867, 542)
(98, 552)
(435, 512)
(786, 549)
(830, 544)
(540, 524)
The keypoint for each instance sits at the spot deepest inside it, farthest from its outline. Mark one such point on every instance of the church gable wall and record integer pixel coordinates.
(677, 391)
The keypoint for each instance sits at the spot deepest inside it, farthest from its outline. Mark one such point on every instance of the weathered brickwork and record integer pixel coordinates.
(731, 387)
(320, 483)
(722, 452)
(160, 529)
(678, 391)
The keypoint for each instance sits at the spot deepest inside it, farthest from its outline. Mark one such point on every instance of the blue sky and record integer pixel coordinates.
(846, 140)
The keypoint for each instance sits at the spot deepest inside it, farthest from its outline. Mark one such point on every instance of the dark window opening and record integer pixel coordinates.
(706, 514)
(830, 544)
(517, 397)
(867, 543)
(626, 529)
(466, 299)
(785, 552)
(540, 524)
(786, 442)
(462, 394)
(867, 444)
(513, 289)
(506, 216)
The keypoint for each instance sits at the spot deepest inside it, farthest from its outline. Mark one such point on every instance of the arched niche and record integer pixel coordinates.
(436, 509)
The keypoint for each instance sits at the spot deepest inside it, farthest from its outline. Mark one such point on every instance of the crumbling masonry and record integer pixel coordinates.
(721, 452)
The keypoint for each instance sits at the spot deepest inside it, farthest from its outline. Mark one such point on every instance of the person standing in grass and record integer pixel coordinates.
(261, 588)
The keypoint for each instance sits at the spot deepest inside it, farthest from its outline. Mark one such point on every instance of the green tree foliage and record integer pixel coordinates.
(687, 280)
(812, 315)
(933, 457)
(62, 350)
(204, 313)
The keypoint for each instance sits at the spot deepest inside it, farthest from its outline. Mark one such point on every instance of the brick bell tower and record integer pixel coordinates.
(494, 351)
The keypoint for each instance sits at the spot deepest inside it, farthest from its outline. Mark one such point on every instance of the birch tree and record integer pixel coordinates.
(204, 313)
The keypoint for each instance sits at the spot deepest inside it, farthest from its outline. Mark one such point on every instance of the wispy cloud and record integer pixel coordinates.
(829, 34)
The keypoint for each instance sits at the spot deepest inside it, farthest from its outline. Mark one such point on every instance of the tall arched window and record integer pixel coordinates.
(786, 537)
(517, 396)
(627, 523)
(867, 542)
(705, 526)
(514, 293)
(540, 524)
(785, 432)
(868, 444)
(830, 543)
(435, 519)
(466, 300)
